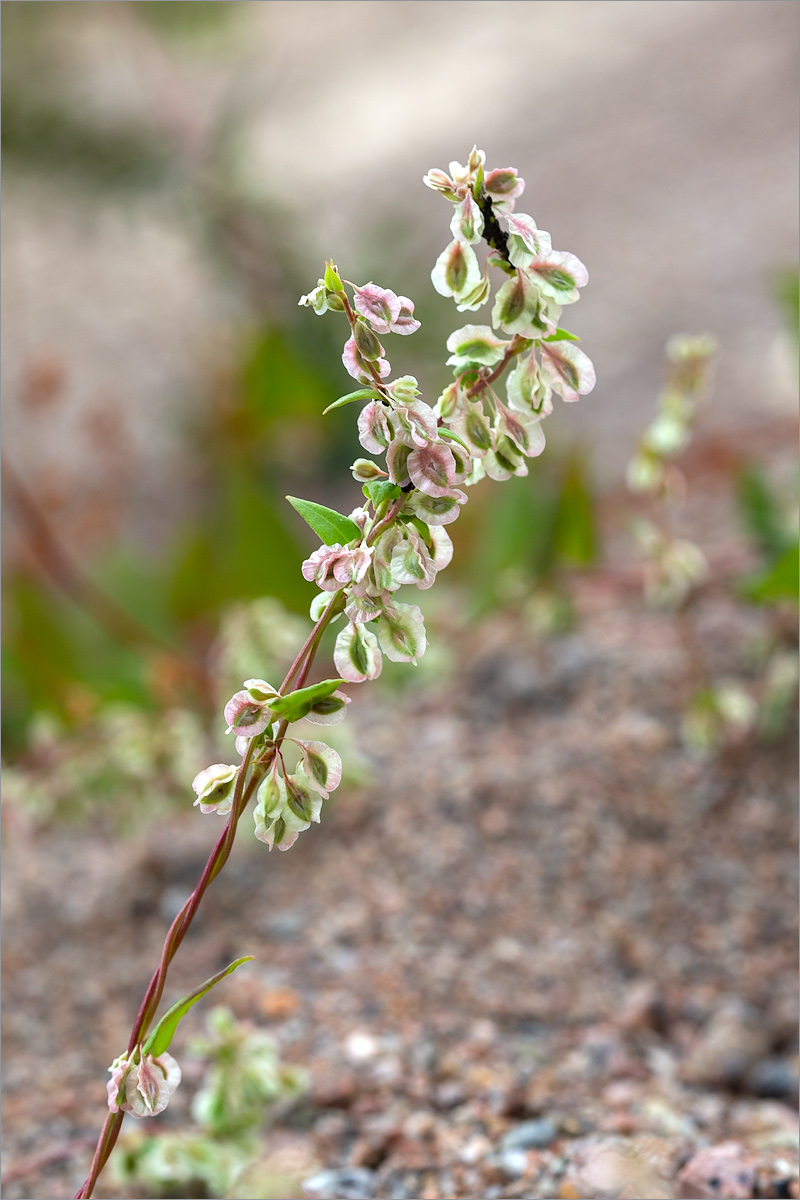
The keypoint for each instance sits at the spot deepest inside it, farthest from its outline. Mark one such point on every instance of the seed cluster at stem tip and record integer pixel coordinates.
(428, 456)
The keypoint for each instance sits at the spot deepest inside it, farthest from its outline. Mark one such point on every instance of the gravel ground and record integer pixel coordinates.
(545, 952)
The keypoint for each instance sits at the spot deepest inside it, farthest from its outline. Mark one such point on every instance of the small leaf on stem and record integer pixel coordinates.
(330, 526)
(162, 1035)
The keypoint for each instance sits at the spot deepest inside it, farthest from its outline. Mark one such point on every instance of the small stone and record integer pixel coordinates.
(278, 1003)
(349, 1183)
(642, 1007)
(512, 1162)
(507, 949)
(623, 1168)
(537, 1134)
(774, 1079)
(449, 1094)
(475, 1149)
(729, 1046)
(723, 1172)
(360, 1046)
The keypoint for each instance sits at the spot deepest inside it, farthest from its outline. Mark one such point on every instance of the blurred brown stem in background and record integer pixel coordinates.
(69, 577)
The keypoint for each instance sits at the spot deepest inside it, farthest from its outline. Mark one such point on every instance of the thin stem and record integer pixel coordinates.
(385, 521)
(105, 1144)
(515, 348)
(312, 640)
(351, 317)
(180, 926)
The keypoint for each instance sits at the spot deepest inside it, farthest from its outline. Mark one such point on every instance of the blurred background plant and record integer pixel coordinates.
(243, 1088)
(719, 711)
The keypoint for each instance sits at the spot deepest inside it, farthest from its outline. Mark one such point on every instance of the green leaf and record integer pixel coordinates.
(332, 281)
(379, 490)
(297, 704)
(761, 513)
(575, 531)
(453, 437)
(561, 335)
(162, 1035)
(330, 526)
(778, 583)
(351, 397)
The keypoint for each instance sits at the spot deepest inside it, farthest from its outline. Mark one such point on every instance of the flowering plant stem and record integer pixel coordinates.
(397, 538)
(180, 926)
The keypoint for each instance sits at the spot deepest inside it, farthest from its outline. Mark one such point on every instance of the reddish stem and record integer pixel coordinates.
(180, 926)
(513, 350)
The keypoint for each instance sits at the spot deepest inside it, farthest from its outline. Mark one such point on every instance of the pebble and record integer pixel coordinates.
(722, 1172)
(349, 1183)
(360, 1046)
(512, 1162)
(774, 1079)
(729, 1046)
(536, 1135)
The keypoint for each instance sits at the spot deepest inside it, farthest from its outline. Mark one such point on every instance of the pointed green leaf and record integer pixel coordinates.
(332, 280)
(453, 437)
(297, 704)
(330, 526)
(162, 1035)
(778, 583)
(351, 397)
(561, 335)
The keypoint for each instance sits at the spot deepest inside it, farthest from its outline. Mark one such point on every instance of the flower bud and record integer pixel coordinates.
(332, 281)
(448, 402)
(365, 470)
(214, 788)
(404, 389)
(366, 341)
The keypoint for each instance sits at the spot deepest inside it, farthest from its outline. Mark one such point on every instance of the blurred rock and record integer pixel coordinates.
(643, 1008)
(535, 1135)
(723, 1172)
(623, 1169)
(774, 1079)
(512, 1162)
(729, 1046)
(349, 1183)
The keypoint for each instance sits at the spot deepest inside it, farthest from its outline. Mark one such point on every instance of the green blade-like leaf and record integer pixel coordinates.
(761, 513)
(561, 335)
(297, 704)
(162, 1035)
(778, 583)
(351, 397)
(453, 437)
(330, 526)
